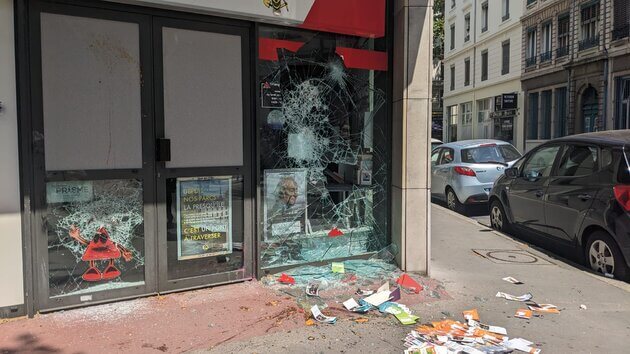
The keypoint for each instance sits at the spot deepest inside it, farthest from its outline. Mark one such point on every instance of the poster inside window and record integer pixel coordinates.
(204, 215)
(323, 145)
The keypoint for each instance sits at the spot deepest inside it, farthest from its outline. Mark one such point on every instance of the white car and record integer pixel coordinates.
(463, 172)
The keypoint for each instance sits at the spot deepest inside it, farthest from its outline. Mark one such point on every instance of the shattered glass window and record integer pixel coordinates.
(95, 235)
(323, 146)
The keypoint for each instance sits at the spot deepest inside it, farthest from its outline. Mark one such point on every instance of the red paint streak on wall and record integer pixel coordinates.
(352, 58)
(365, 18)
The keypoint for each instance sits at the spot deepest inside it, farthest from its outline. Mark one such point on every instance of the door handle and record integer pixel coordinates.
(539, 194)
(585, 197)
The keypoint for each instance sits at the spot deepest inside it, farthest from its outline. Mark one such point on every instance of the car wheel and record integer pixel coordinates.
(452, 202)
(603, 256)
(498, 219)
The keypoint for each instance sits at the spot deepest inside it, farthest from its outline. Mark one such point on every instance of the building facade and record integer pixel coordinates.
(151, 146)
(482, 88)
(575, 67)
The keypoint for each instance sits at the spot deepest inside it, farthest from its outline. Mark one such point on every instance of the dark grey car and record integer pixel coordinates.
(575, 192)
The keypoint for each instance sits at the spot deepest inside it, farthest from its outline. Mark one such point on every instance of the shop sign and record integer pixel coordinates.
(505, 101)
(270, 95)
(69, 192)
(204, 217)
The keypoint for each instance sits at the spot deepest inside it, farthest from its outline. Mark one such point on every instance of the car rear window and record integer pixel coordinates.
(623, 176)
(490, 153)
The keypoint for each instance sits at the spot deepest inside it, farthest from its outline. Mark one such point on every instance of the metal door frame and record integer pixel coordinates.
(163, 173)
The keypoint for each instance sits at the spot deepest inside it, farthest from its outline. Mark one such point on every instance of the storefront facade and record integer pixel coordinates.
(170, 145)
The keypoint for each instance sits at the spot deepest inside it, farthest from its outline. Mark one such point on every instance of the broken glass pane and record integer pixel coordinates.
(95, 235)
(323, 148)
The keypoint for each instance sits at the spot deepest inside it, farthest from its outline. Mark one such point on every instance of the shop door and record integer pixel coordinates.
(141, 154)
(203, 163)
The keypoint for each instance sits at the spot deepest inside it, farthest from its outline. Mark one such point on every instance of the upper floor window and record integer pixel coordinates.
(531, 48)
(484, 65)
(505, 57)
(589, 27)
(563, 36)
(467, 27)
(484, 17)
(452, 77)
(452, 36)
(467, 72)
(545, 51)
(505, 12)
(622, 19)
(452, 4)
(529, 2)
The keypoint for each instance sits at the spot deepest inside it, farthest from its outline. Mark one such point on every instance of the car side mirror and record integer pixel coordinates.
(511, 172)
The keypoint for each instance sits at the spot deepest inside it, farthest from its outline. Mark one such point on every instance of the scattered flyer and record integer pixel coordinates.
(522, 345)
(320, 317)
(471, 315)
(338, 267)
(384, 287)
(350, 304)
(521, 298)
(512, 280)
(403, 316)
(523, 313)
(395, 295)
(378, 298)
(544, 308)
(364, 292)
(312, 288)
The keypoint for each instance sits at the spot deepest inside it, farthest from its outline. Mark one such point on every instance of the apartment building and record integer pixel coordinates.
(482, 68)
(575, 67)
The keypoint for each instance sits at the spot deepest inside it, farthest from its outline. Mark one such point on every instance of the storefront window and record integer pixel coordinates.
(323, 145)
(95, 235)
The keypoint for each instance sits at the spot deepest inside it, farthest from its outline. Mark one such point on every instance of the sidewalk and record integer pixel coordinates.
(249, 318)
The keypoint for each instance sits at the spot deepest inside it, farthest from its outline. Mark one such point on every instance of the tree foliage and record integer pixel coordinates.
(438, 29)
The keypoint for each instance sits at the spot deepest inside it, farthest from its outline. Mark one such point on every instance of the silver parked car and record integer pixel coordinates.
(463, 172)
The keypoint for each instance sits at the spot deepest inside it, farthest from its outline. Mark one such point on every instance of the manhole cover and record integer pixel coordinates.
(511, 257)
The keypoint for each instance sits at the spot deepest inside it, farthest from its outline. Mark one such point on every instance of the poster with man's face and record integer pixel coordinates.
(285, 202)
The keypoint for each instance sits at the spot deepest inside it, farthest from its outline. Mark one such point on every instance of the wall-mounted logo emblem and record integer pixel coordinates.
(277, 6)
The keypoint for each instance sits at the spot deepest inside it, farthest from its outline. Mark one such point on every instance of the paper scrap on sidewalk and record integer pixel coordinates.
(522, 345)
(338, 267)
(312, 288)
(320, 317)
(521, 298)
(350, 304)
(403, 316)
(364, 292)
(512, 280)
(471, 315)
(493, 329)
(286, 279)
(384, 287)
(378, 298)
(408, 283)
(395, 295)
(523, 313)
(544, 308)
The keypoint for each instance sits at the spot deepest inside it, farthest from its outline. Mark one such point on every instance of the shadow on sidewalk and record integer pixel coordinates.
(28, 343)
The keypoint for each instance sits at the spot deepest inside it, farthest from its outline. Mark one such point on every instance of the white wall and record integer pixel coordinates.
(11, 278)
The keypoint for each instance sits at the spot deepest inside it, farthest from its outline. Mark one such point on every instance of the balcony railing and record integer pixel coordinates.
(562, 52)
(530, 62)
(589, 43)
(621, 32)
(545, 56)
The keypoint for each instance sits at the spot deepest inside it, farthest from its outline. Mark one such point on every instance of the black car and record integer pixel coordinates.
(575, 192)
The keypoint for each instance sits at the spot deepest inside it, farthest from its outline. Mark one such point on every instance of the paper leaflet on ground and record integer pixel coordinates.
(471, 315)
(523, 313)
(521, 298)
(522, 345)
(395, 295)
(338, 267)
(364, 292)
(494, 329)
(402, 314)
(320, 317)
(513, 280)
(544, 308)
(384, 287)
(312, 289)
(350, 304)
(378, 298)
(408, 283)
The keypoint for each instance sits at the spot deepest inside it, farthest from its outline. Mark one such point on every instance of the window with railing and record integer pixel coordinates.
(563, 36)
(545, 49)
(530, 59)
(589, 35)
(621, 27)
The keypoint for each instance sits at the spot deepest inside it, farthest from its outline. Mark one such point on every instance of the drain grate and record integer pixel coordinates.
(511, 257)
